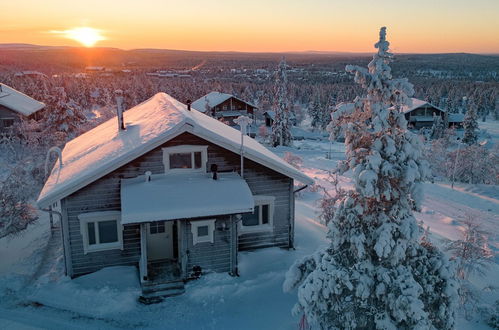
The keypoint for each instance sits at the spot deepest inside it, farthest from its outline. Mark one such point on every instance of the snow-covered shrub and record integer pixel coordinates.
(471, 251)
(474, 164)
(472, 256)
(375, 273)
(15, 211)
(463, 163)
(293, 160)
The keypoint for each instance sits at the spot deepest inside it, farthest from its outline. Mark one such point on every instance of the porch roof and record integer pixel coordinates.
(169, 197)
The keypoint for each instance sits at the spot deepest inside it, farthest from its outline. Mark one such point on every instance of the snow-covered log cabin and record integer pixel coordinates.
(223, 105)
(422, 114)
(166, 194)
(15, 105)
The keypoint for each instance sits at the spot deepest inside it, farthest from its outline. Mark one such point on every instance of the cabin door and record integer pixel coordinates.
(160, 240)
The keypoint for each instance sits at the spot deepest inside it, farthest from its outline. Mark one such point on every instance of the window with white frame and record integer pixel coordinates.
(185, 158)
(262, 218)
(101, 231)
(202, 231)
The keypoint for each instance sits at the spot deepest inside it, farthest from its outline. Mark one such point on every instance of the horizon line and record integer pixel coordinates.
(318, 52)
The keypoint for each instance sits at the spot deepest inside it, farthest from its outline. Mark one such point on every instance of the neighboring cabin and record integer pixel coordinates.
(166, 195)
(421, 114)
(269, 117)
(226, 106)
(15, 105)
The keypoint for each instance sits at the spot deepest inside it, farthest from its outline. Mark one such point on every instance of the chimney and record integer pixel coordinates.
(118, 95)
(189, 105)
(148, 176)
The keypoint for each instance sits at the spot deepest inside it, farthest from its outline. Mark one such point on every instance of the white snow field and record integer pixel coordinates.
(34, 294)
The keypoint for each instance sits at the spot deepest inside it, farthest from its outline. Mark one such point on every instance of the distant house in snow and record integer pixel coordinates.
(269, 117)
(223, 105)
(167, 194)
(15, 105)
(422, 114)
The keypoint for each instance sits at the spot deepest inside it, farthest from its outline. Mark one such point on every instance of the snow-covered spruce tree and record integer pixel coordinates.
(470, 125)
(281, 128)
(375, 273)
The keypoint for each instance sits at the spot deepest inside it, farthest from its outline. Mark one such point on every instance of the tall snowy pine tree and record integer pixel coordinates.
(375, 273)
(470, 125)
(281, 128)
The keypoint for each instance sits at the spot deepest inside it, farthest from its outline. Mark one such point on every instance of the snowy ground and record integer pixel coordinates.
(34, 296)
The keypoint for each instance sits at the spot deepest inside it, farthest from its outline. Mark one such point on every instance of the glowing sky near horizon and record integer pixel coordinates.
(426, 26)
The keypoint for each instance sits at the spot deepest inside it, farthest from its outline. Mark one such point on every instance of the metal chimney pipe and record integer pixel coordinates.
(118, 94)
(189, 102)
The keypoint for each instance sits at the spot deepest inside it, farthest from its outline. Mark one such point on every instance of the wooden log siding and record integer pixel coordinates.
(104, 195)
(211, 257)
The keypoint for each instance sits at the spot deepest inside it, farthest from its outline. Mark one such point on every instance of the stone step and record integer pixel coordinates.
(146, 289)
(159, 296)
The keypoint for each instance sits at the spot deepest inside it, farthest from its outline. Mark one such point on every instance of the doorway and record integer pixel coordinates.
(160, 240)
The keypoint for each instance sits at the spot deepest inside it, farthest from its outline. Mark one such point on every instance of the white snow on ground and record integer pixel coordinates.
(107, 299)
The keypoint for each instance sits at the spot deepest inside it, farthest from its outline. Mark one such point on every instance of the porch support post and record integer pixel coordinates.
(143, 252)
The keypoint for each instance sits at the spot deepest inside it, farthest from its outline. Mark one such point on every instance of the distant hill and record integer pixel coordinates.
(56, 59)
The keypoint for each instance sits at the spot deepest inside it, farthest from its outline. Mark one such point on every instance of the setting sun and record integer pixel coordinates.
(87, 36)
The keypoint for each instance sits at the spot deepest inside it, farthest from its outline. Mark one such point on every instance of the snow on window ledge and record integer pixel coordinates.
(92, 242)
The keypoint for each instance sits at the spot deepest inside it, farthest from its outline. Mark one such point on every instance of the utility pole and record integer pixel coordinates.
(243, 123)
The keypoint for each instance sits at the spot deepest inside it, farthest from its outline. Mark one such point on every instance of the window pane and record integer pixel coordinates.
(153, 229)
(180, 160)
(202, 231)
(197, 160)
(251, 219)
(91, 233)
(108, 232)
(265, 214)
(161, 227)
(8, 122)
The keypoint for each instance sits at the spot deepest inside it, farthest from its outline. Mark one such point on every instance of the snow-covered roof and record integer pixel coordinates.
(417, 103)
(271, 114)
(456, 117)
(148, 125)
(18, 102)
(214, 99)
(168, 197)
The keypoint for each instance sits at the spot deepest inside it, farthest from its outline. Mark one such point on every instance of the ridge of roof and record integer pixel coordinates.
(104, 148)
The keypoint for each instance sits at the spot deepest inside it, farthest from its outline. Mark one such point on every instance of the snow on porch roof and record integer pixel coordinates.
(169, 197)
(103, 149)
(18, 102)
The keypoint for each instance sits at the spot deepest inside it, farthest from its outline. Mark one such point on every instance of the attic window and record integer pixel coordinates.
(185, 158)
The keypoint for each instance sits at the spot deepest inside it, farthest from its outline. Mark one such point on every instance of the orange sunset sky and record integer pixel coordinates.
(257, 25)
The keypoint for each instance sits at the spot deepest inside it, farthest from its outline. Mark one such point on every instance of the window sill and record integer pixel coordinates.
(103, 247)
